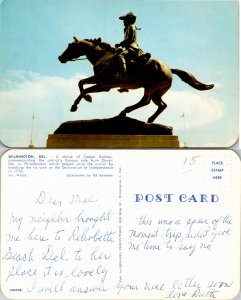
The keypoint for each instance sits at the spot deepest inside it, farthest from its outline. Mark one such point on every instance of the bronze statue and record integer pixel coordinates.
(153, 75)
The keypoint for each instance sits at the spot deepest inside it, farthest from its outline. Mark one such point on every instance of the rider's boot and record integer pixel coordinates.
(123, 72)
(122, 67)
(121, 90)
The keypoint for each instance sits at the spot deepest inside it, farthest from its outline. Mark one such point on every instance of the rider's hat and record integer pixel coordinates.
(130, 15)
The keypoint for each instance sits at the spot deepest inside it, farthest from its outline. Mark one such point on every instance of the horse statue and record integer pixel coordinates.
(153, 75)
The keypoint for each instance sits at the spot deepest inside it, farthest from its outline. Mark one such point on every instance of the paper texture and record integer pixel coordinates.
(110, 224)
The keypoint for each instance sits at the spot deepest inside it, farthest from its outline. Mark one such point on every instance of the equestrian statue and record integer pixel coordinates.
(128, 68)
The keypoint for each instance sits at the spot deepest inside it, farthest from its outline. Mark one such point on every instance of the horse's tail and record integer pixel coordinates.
(191, 80)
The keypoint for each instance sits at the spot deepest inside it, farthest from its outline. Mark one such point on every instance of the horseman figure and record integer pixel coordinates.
(153, 75)
(133, 51)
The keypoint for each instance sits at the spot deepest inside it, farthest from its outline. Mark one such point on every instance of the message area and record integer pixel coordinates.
(111, 224)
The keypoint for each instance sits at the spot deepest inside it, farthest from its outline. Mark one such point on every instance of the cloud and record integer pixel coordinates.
(199, 108)
(51, 98)
(229, 143)
(31, 91)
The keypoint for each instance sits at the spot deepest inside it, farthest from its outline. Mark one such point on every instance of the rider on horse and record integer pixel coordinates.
(154, 76)
(130, 44)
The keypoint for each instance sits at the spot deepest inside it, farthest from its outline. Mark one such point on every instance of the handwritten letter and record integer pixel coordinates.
(120, 224)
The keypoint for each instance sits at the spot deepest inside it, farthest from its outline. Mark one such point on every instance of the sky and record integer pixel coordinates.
(200, 37)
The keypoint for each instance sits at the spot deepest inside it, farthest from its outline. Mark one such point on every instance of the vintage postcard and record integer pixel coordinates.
(120, 224)
(171, 65)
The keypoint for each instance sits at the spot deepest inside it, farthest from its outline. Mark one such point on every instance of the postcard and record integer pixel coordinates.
(120, 224)
(170, 64)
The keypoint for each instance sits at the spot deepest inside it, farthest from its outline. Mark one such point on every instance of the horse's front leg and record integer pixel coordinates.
(87, 97)
(74, 106)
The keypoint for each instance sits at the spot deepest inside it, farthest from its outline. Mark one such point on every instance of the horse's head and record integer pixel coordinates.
(72, 51)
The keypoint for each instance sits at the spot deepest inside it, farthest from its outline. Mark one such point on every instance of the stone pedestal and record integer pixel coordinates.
(116, 132)
(111, 141)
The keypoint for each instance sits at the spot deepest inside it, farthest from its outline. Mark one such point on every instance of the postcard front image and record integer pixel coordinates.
(155, 74)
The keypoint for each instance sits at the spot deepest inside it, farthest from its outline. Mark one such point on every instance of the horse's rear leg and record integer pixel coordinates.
(145, 100)
(157, 99)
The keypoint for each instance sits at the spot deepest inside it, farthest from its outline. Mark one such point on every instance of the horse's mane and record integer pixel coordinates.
(102, 45)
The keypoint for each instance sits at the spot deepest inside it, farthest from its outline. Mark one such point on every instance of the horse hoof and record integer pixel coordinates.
(122, 114)
(150, 121)
(73, 108)
(88, 98)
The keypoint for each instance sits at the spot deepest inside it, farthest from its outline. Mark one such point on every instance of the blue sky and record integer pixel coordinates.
(200, 37)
